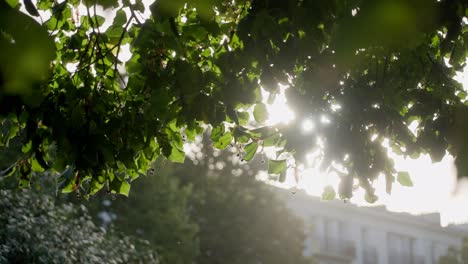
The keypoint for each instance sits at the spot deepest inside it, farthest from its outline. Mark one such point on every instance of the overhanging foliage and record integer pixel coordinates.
(370, 67)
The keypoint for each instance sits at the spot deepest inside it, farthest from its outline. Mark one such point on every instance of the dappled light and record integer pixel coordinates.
(246, 131)
(435, 187)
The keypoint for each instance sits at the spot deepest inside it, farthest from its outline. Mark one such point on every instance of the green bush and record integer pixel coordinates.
(34, 229)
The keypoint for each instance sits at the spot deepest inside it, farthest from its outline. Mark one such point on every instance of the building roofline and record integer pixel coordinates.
(378, 212)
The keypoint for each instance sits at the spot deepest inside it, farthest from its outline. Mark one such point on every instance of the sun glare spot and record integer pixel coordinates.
(307, 126)
(462, 77)
(324, 120)
(71, 67)
(278, 111)
(413, 127)
(335, 107)
(434, 183)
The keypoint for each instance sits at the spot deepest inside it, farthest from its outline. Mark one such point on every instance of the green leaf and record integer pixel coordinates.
(120, 19)
(114, 33)
(328, 193)
(104, 3)
(120, 186)
(235, 42)
(262, 132)
(277, 166)
(217, 132)
(195, 32)
(192, 132)
(189, 78)
(271, 140)
(95, 187)
(241, 136)
(461, 95)
(243, 118)
(371, 198)
(44, 5)
(99, 19)
(404, 179)
(177, 155)
(260, 113)
(13, 3)
(250, 150)
(66, 180)
(223, 141)
(139, 6)
(27, 147)
(36, 167)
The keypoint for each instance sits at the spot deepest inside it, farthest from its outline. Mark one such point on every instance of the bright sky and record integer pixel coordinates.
(435, 188)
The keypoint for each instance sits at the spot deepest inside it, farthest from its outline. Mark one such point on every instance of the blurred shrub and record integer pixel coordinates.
(34, 229)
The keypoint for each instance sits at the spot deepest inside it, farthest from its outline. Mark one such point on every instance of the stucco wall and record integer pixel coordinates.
(371, 228)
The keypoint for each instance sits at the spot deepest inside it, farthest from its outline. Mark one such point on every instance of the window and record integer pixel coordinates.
(311, 236)
(369, 254)
(400, 248)
(333, 229)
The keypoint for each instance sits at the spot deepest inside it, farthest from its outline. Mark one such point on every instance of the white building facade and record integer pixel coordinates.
(339, 233)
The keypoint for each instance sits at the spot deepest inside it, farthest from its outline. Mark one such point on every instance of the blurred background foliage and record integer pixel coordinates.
(456, 256)
(35, 229)
(212, 212)
(204, 214)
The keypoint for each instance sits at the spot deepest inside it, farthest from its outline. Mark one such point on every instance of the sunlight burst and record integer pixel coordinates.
(434, 183)
(278, 111)
(307, 126)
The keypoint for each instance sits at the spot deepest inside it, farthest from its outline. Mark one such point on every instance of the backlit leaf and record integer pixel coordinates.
(404, 179)
(120, 186)
(250, 150)
(223, 141)
(177, 155)
(276, 166)
(120, 18)
(328, 193)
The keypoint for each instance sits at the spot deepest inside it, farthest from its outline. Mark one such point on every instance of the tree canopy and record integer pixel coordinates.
(363, 71)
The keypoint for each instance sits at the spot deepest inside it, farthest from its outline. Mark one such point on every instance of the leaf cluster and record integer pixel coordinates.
(371, 68)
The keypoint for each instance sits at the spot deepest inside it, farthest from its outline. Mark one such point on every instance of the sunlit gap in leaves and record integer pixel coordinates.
(303, 177)
(108, 14)
(278, 110)
(434, 184)
(307, 177)
(435, 188)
